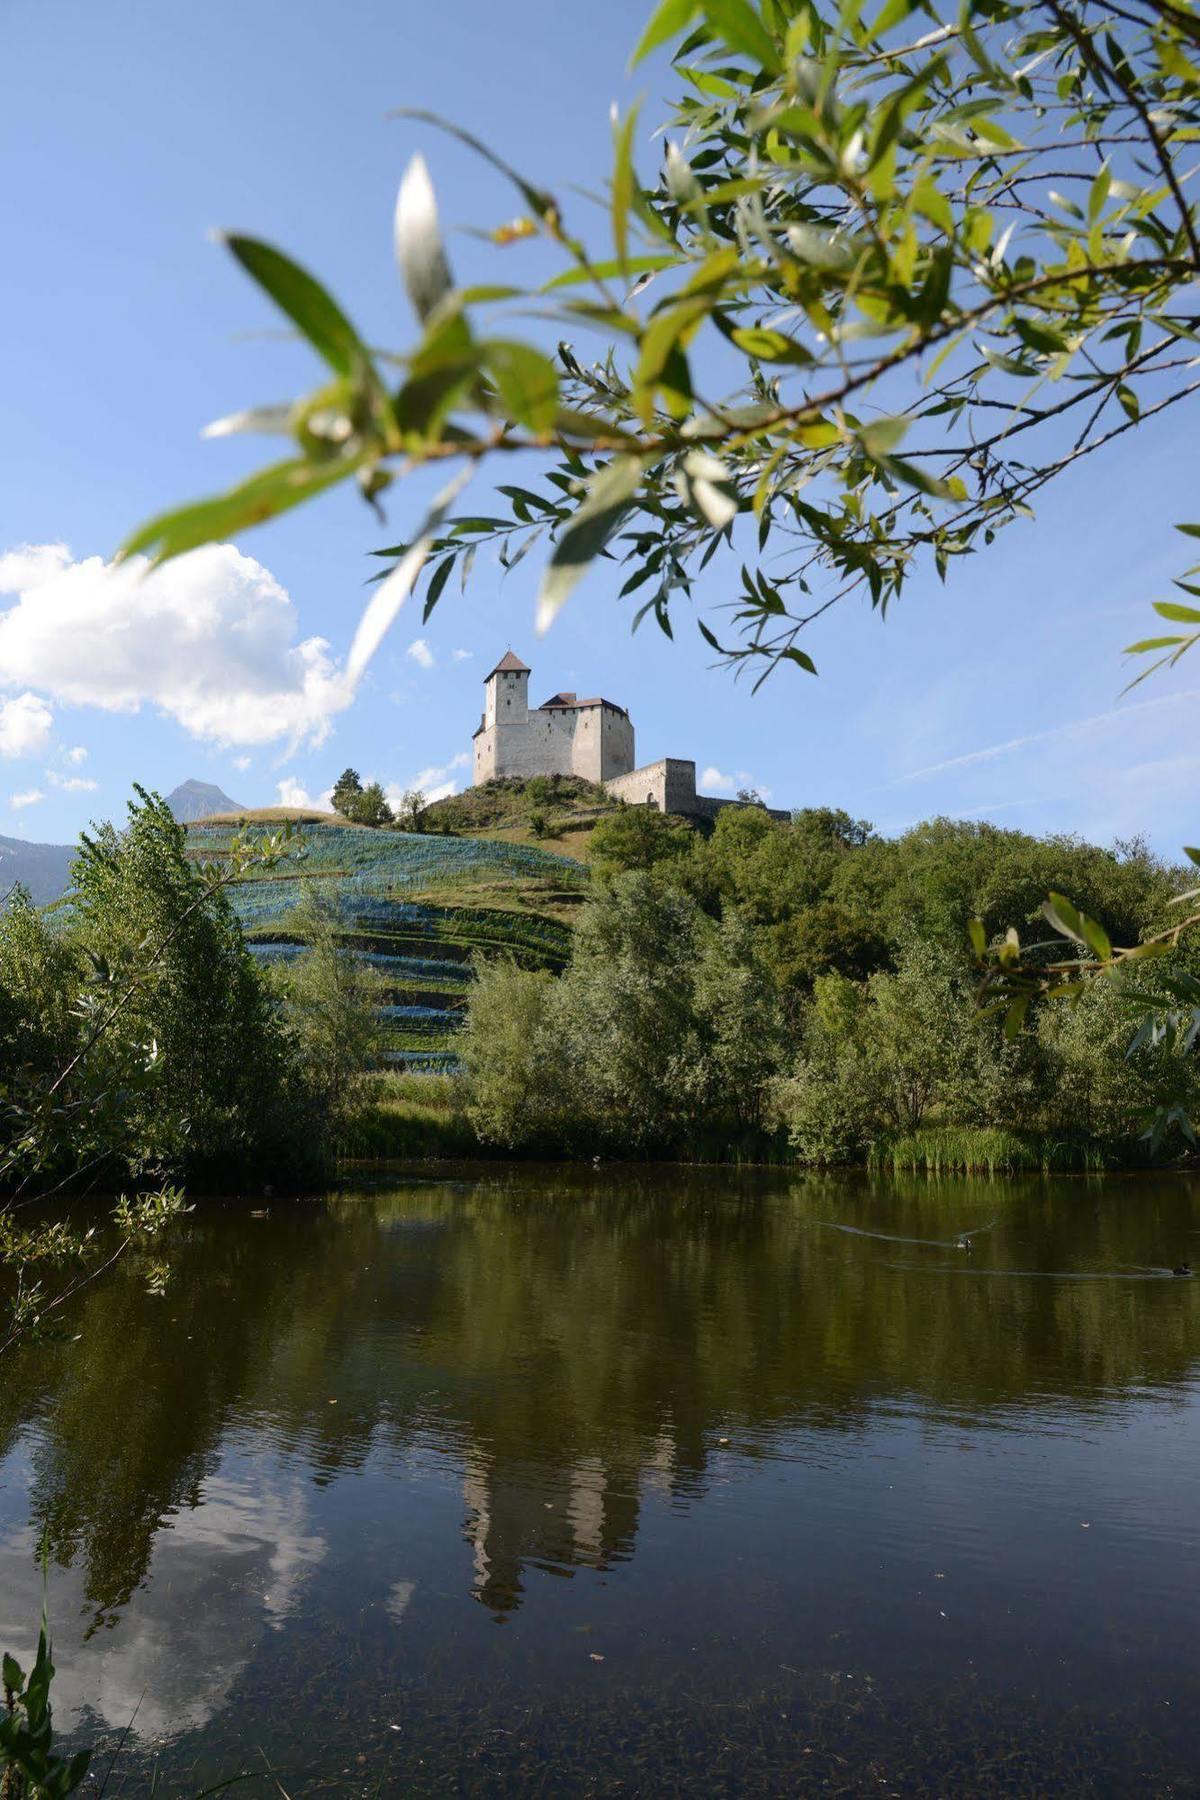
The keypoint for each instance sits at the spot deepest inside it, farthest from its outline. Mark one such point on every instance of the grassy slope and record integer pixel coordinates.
(419, 907)
(504, 811)
(500, 812)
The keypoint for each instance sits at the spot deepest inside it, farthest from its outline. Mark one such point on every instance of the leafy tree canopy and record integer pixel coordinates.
(896, 268)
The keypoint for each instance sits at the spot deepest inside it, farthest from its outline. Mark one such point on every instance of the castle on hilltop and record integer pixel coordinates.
(568, 736)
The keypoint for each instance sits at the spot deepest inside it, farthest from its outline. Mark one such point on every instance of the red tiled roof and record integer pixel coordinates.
(508, 665)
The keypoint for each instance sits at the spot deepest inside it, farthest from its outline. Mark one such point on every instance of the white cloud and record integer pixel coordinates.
(75, 756)
(210, 639)
(421, 653)
(30, 797)
(72, 784)
(462, 655)
(241, 763)
(30, 565)
(25, 725)
(294, 793)
(436, 783)
(713, 778)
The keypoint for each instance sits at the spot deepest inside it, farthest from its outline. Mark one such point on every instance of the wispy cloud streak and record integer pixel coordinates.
(1075, 728)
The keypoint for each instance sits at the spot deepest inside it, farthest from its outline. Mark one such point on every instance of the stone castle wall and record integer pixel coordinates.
(669, 784)
(594, 742)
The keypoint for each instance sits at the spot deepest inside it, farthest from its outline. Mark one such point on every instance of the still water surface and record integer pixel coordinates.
(631, 1483)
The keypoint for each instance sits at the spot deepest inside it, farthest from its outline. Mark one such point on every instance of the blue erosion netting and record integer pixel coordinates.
(423, 952)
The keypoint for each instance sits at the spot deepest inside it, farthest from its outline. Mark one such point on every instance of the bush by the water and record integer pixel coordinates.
(139, 1037)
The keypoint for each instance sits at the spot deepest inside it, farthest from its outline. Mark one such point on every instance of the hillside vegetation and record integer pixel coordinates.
(418, 908)
(558, 810)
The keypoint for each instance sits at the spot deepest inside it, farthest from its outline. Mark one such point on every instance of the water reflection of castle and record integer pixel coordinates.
(582, 1515)
(553, 1519)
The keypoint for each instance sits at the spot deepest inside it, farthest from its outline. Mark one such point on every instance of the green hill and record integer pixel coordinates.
(418, 907)
(558, 811)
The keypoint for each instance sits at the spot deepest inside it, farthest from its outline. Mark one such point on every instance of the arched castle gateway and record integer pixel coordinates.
(568, 736)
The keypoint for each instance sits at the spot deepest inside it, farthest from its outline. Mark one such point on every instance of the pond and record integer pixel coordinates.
(629, 1482)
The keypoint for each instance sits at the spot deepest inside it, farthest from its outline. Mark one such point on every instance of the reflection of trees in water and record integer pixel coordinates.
(576, 1337)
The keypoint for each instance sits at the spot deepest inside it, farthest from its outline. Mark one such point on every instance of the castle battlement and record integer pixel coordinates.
(565, 735)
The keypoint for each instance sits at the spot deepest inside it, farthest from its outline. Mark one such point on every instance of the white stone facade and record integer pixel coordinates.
(591, 738)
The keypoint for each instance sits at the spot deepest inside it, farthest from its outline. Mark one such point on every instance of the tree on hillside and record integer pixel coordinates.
(410, 814)
(371, 807)
(637, 837)
(346, 791)
(361, 805)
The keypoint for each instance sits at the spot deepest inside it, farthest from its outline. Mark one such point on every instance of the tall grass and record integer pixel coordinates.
(976, 1149)
(412, 1115)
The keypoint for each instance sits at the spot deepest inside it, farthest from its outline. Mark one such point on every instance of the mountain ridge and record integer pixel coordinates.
(42, 868)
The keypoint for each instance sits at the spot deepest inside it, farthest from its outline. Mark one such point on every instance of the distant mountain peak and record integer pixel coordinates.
(193, 800)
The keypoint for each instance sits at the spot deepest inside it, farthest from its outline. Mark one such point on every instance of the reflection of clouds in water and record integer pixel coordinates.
(399, 1597)
(218, 1573)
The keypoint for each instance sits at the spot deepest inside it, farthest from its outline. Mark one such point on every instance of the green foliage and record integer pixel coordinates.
(39, 974)
(812, 977)
(662, 1027)
(365, 805)
(192, 1066)
(135, 1034)
(637, 838)
(28, 1763)
(508, 1050)
(882, 1056)
(1150, 977)
(412, 1116)
(625, 1014)
(941, 257)
(1103, 1087)
(510, 802)
(346, 790)
(410, 814)
(328, 1006)
(741, 1022)
(983, 1149)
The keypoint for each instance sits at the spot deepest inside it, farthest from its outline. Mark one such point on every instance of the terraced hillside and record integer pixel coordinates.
(417, 908)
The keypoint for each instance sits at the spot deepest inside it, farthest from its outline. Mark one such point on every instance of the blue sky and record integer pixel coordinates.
(132, 131)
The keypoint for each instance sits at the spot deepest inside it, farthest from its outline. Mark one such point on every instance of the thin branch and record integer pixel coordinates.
(1109, 72)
